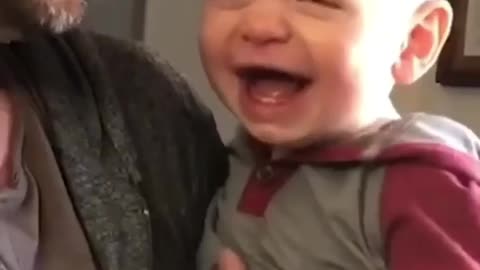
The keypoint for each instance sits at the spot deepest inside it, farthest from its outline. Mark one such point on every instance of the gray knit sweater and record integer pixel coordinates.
(128, 136)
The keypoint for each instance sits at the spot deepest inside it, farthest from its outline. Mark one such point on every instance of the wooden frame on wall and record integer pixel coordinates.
(459, 63)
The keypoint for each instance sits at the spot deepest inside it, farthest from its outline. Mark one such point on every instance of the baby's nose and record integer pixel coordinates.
(262, 23)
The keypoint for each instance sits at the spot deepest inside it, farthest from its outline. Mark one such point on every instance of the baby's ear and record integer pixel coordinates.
(431, 27)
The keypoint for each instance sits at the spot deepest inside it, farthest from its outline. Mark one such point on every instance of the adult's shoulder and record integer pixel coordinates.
(158, 103)
(133, 64)
(144, 81)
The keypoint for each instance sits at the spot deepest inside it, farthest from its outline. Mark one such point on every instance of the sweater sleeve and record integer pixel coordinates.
(182, 156)
(430, 219)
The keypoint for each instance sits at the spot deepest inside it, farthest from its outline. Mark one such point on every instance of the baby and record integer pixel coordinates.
(324, 173)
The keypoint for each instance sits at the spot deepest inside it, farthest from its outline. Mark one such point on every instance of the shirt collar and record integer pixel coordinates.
(360, 148)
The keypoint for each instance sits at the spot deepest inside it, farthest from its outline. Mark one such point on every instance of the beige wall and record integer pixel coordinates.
(115, 18)
(461, 104)
(171, 28)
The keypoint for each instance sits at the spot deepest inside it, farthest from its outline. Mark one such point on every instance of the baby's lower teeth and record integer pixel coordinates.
(270, 91)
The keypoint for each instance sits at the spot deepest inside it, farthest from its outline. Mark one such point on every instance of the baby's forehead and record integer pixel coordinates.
(393, 7)
(395, 3)
(384, 6)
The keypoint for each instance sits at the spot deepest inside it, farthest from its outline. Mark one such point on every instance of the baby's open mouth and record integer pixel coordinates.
(271, 85)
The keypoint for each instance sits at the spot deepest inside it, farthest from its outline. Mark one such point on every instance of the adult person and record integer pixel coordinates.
(107, 161)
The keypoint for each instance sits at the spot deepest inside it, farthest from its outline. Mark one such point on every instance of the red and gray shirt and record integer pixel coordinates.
(404, 198)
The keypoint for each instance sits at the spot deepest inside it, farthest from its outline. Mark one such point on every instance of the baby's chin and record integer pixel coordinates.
(290, 138)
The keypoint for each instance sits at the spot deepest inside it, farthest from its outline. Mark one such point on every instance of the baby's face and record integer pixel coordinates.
(294, 71)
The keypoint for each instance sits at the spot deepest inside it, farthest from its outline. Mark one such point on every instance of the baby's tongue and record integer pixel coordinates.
(273, 90)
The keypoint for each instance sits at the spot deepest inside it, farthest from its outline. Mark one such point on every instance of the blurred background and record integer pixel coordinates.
(170, 29)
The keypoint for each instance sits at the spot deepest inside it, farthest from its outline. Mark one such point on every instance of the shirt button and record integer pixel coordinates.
(265, 173)
(146, 212)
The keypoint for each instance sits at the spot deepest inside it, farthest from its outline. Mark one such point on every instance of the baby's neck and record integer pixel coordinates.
(372, 125)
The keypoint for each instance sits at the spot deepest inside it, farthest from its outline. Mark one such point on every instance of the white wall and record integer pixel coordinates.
(171, 28)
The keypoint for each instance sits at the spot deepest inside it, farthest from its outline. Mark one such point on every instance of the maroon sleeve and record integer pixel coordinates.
(430, 219)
